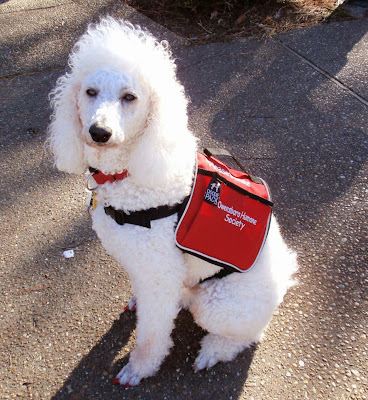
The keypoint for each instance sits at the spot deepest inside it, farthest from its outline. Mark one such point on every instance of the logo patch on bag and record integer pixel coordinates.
(227, 217)
(212, 194)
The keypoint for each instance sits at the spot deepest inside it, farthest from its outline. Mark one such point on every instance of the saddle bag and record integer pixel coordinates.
(227, 216)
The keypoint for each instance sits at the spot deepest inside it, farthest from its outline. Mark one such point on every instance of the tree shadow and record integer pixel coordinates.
(36, 44)
(283, 121)
(47, 42)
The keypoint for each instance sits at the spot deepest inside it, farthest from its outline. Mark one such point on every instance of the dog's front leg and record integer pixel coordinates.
(158, 297)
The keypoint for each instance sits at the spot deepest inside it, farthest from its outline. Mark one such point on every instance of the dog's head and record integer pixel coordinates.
(120, 106)
(113, 108)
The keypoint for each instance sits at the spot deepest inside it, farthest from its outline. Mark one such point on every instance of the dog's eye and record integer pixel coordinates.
(129, 97)
(91, 92)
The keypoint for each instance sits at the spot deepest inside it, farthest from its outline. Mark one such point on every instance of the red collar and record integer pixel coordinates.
(101, 178)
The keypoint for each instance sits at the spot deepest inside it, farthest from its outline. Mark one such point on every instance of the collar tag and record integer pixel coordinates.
(93, 201)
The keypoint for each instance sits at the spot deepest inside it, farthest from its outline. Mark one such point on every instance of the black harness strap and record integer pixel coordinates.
(221, 274)
(143, 217)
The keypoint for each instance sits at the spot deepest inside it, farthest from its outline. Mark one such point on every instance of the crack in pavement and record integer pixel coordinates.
(47, 70)
(323, 72)
(35, 9)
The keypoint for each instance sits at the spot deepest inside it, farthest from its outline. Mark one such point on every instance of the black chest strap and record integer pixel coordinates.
(143, 217)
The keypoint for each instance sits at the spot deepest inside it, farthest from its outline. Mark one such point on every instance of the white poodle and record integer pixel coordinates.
(121, 108)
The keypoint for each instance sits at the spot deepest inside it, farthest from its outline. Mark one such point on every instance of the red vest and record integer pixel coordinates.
(227, 217)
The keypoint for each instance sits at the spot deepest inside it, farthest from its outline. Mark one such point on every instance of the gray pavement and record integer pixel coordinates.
(294, 109)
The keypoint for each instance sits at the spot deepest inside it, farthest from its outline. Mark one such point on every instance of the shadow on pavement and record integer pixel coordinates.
(175, 379)
(91, 377)
(287, 123)
(46, 43)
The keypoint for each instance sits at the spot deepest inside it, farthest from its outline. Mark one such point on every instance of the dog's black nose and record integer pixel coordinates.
(99, 135)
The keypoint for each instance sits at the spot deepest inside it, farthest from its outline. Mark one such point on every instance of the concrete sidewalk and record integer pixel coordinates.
(294, 109)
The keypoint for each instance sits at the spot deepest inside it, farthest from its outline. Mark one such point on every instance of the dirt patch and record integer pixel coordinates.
(214, 20)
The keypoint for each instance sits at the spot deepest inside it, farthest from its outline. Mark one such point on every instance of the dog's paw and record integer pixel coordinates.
(132, 305)
(217, 348)
(128, 376)
(205, 360)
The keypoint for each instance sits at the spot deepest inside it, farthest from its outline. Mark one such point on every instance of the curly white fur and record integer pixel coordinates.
(150, 139)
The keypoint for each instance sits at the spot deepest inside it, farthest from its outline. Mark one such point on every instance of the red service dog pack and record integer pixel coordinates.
(227, 216)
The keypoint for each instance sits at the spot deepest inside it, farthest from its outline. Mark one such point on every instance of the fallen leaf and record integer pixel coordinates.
(240, 19)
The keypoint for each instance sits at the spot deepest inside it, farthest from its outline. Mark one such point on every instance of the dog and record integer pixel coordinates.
(121, 110)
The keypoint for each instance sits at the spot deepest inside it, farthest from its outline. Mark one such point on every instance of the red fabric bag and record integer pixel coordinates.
(227, 216)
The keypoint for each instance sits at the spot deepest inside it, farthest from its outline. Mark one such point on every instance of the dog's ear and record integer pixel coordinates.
(64, 131)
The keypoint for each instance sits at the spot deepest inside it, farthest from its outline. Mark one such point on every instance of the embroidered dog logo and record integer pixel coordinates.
(212, 193)
(215, 186)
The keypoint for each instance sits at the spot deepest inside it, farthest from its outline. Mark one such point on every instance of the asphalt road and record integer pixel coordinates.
(292, 108)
